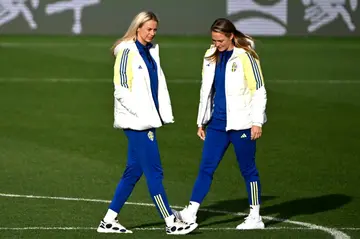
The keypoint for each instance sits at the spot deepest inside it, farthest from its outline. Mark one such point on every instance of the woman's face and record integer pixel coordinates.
(222, 42)
(147, 32)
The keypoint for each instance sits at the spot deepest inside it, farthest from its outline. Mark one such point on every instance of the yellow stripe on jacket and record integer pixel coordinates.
(123, 72)
(252, 71)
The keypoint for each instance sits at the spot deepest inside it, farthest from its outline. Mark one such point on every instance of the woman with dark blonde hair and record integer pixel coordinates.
(231, 110)
(141, 104)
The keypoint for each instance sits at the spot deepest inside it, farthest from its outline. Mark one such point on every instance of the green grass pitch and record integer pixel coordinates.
(57, 140)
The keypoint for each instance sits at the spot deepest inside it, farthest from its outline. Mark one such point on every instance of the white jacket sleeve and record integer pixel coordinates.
(123, 79)
(202, 101)
(205, 103)
(255, 82)
(166, 110)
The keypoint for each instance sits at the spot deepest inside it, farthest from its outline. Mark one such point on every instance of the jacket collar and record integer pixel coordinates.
(142, 47)
(132, 46)
(236, 53)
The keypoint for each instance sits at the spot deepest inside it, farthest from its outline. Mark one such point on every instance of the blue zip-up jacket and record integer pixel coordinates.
(219, 115)
(152, 68)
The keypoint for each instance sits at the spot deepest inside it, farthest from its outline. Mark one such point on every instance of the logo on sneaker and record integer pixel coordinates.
(243, 136)
(140, 68)
(151, 135)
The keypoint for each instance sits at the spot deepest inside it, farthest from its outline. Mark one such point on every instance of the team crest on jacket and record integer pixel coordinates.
(151, 135)
(233, 67)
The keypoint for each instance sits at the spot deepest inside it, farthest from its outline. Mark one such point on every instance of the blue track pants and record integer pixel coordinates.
(143, 158)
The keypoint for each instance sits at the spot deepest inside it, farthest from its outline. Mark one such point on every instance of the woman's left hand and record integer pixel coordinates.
(256, 132)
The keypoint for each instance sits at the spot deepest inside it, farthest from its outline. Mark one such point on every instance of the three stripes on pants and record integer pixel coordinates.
(160, 204)
(254, 192)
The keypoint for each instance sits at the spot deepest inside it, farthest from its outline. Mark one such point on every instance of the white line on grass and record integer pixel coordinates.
(337, 234)
(158, 228)
(161, 228)
(174, 81)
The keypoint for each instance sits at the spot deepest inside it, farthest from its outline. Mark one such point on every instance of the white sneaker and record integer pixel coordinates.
(251, 222)
(180, 228)
(185, 215)
(112, 227)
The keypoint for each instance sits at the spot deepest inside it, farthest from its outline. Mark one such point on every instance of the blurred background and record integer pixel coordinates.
(186, 17)
(60, 158)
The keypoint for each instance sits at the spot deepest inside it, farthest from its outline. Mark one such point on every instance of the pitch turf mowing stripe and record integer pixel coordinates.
(335, 233)
(161, 229)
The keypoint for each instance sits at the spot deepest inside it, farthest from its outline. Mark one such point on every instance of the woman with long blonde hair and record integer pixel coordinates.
(231, 111)
(141, 104)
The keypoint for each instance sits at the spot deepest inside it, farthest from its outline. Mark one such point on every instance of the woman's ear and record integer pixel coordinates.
(232, 36)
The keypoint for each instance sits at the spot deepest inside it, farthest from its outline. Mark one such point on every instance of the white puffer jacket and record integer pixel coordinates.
(244, 90)
(134, 107)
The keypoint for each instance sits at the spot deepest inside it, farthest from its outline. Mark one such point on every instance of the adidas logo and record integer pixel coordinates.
(243, 136)
(140, 67)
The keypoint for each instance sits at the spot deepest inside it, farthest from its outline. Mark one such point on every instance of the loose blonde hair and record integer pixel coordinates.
(240, 40)
(136, 23)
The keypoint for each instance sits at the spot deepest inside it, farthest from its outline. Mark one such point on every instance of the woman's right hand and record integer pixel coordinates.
(201, 133)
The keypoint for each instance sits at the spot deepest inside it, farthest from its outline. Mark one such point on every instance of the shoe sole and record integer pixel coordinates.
(101, 230)
(254, 228)
(184, 232)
